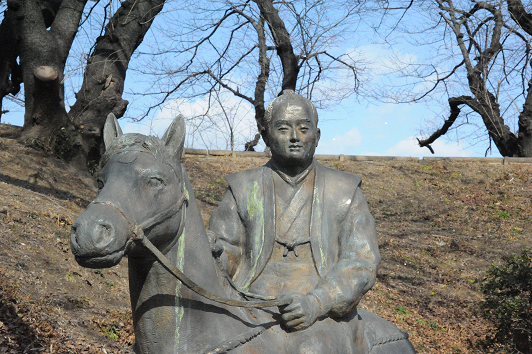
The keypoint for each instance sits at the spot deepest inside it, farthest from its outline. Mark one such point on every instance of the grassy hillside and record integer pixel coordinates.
(439, 226)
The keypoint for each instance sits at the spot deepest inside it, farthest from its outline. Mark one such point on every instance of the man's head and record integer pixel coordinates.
(291, 131)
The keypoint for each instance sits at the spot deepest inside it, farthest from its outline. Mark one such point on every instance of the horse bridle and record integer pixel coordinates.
(137, 235)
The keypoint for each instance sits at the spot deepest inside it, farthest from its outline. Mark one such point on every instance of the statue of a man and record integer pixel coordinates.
(296, 228)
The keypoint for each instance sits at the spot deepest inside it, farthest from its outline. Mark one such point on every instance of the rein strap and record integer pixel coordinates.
(139, 236)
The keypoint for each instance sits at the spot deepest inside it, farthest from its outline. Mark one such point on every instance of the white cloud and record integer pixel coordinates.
(410, 147)
(211, 131)
(346, 144)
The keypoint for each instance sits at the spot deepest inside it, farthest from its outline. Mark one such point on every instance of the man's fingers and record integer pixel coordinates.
(291, 307)
(298, 322)
(291, 315)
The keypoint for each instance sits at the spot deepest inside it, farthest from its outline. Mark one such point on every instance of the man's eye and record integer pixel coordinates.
(155, 182)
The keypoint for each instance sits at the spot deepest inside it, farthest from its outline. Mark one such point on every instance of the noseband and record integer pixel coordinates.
(137, 230)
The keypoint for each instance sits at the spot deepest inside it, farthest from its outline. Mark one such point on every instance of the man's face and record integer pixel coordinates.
(292, 134)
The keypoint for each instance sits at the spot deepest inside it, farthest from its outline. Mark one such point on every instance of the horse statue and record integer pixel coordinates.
(146, 209)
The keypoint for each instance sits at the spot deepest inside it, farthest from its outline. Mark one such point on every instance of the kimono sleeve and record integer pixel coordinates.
(340, 290)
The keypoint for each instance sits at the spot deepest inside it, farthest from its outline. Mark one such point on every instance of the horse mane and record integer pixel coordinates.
(139, 142)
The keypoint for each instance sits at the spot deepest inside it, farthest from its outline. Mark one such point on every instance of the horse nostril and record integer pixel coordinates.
(104, 235)
(73, 231)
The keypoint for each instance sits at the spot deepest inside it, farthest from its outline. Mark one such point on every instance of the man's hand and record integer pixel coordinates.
(301, 313)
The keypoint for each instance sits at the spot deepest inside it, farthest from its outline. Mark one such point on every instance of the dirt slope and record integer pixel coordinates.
(439, 226)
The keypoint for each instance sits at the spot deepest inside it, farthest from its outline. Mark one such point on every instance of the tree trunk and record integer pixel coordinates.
(103, 83)
(262, 79)
(524, 19)
(283, 44)
(43, 54)
(525, 125)
(10, 76)
(45, 110)
(505, 140)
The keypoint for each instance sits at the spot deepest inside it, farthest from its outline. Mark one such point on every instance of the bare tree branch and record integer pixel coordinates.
(285, 51)
(520, 16)
(454, 105)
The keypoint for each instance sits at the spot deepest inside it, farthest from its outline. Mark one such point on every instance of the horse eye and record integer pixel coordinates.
(100, 184)
(155, 182)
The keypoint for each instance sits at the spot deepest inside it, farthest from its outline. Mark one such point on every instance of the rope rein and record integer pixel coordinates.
(138, 235)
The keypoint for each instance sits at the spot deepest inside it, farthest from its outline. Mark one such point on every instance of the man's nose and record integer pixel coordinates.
(293, 135)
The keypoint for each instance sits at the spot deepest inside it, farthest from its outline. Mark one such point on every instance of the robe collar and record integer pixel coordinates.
(293, 181)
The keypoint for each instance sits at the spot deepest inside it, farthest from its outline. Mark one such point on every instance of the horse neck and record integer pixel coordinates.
(191, 254)
(164, 310)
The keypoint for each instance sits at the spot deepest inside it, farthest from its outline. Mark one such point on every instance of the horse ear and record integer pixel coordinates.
(174, 137)
(111, 130)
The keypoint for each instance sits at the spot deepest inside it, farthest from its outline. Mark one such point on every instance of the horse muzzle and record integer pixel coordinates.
(99, 237)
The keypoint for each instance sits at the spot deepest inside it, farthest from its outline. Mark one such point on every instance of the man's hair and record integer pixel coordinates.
(279, 100)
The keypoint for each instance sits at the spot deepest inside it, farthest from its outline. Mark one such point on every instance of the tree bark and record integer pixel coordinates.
(283, 44)
(43, 54)
(10, 75)
(520, 16)
(484, 102)
(105, 73)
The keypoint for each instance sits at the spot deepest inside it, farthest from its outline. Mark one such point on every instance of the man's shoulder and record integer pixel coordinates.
(341, 178)
(242, 178)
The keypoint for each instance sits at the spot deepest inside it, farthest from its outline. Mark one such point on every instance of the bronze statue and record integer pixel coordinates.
(186, 301)
(296, 228)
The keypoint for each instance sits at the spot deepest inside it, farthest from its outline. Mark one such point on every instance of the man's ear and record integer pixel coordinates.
(318, 136)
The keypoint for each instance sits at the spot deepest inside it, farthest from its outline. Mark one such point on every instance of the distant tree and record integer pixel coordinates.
(478, 59)
(255, 50)
(227, 123)
(36, 37)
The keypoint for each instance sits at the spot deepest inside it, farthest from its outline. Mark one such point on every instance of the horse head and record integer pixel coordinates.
(141, 184)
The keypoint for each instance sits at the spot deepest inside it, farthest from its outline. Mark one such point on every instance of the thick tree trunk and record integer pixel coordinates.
(39, 48)
(525, 125)
(10, 76)
(45, 110)
(10, 41)
(43, 54)
(103, 83)
(283, 44)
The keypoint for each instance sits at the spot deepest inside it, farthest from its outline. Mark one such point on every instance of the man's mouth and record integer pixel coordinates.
(294, 147)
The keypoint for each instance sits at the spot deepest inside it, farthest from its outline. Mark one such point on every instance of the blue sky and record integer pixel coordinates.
(370, 127)
(386, 129)
(351, 128)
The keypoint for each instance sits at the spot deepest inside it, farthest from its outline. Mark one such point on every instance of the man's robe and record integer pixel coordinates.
(342, 234)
